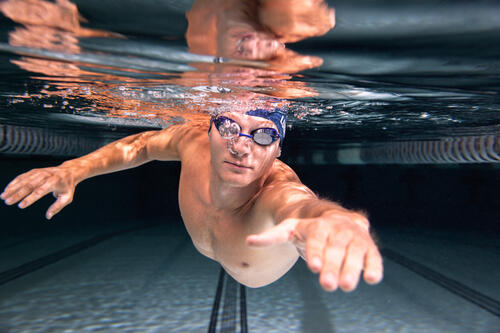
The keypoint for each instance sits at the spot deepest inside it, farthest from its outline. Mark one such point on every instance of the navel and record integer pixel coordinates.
(245, 264)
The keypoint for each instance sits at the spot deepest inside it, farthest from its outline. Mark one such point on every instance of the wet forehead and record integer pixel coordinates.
(250, 121)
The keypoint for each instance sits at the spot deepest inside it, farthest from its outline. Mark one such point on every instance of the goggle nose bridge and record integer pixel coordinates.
(234, 139)
(245, 135)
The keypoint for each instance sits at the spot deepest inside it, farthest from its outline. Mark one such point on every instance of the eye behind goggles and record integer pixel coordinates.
(229, 129)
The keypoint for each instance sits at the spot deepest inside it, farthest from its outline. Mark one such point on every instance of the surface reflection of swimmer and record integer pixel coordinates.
(56, 26)
(258, 30)
(241, 206)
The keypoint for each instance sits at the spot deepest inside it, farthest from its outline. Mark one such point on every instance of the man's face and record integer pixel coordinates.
(241, 161)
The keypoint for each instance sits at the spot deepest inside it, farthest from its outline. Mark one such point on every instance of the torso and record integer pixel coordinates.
(221, 235)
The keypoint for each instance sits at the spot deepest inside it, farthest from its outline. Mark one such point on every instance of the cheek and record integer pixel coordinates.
(267, 159)
(216, 148)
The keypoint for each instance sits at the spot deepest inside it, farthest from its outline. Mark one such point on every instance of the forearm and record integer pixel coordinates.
(123, 154)
(314, 207)
(322, 208)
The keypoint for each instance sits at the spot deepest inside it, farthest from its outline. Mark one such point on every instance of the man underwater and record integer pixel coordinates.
(241, 205)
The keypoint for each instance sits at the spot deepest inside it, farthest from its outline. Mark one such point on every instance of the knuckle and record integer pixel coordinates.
(320, 234)
(335, 254)
(357, 251)
(344, 235)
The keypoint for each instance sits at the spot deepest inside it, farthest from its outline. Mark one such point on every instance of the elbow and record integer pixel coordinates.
(135, 151)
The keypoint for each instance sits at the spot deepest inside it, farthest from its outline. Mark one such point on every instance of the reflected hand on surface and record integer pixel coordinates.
(337, 245)
(257, 30)
(294, 20)
(35, 184)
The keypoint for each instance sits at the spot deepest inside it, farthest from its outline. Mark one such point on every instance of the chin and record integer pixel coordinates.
(237, 180)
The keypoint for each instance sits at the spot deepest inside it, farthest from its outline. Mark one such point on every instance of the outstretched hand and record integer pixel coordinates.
(337, 245)
(33, 185)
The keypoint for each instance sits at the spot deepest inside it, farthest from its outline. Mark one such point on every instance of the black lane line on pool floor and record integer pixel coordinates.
(243, 309)
(485, 302)
(215, 307)
(228, 318)
(31, 266)
(227, 321)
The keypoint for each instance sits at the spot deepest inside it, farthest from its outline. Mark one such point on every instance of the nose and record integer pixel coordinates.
(240, 145)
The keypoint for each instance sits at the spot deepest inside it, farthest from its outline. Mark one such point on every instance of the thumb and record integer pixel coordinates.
(279, 234)
(62, 201)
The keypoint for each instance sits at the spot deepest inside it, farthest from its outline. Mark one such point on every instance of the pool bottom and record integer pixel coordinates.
(153, 280)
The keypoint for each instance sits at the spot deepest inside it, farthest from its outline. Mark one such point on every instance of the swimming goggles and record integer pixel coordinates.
(229, 129)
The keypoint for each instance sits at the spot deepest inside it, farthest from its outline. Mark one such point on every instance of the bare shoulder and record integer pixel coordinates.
(175, 142)
(283, 177)
(283, 189)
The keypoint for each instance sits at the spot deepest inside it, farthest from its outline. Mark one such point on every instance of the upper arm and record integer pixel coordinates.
(285, 195)
(169, 143)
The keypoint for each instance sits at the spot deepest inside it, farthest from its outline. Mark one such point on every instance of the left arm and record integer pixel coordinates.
(336, 241)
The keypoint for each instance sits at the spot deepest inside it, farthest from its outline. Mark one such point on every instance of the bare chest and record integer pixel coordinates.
(222, 237)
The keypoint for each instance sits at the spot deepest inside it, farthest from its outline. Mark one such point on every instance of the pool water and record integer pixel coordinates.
(401, 120)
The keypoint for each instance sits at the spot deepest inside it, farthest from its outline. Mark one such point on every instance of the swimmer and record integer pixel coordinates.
(241, 205)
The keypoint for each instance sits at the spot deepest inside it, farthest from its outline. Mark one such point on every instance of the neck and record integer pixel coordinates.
(225, 196)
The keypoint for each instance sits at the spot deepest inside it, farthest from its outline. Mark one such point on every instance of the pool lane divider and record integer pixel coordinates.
(34, 265)
(226, 296)
(483, 301)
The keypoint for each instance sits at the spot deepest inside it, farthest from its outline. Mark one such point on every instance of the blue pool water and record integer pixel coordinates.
(401, 120)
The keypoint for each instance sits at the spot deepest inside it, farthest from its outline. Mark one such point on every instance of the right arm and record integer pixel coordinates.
(123, 154)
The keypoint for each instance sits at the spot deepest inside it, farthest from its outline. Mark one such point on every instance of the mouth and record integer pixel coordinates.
(237, 165)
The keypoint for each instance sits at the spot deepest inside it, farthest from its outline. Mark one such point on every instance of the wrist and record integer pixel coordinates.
(76, 169)
(359, 218)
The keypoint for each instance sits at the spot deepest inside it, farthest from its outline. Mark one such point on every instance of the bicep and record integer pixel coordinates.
(168, 144)
(161, 146)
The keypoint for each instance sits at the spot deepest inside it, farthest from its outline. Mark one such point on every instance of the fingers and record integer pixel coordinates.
(37, 193)
(315, 244)
(257, 46)
(297, 20)
(334, 253)
(343, 266)
(20, 187)
(340, 254)
(278, 234)
(374, 269)
(289, 61)
(12, 197)
(33, 185)
(352, 267)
